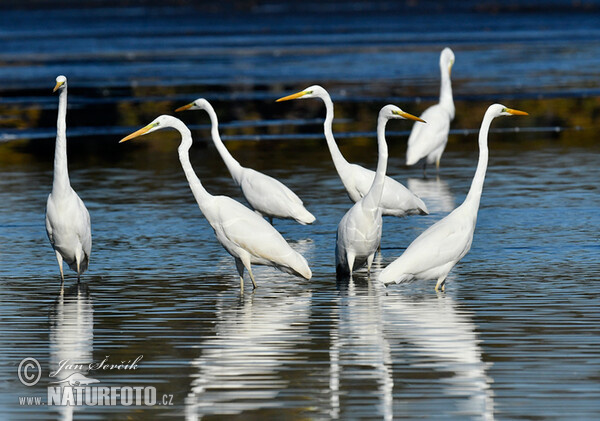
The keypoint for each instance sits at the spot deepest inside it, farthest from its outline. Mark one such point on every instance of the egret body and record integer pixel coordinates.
(245, 235)
(429, 140)
(396, 199)
(266, 195)
(67, 219)
(359, 231)
(435, 252)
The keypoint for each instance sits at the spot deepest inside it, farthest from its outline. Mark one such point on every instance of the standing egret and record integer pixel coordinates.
(396, 200)
(67, 219)
(359, 231)
(265, 195)
(244, 234)
(429, 140)
(435, 252)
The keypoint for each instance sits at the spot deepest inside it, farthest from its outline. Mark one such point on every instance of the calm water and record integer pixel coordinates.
(516, 334)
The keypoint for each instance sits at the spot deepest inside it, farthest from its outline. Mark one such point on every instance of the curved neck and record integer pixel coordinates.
(474, 195)
(373, 196)
(198, 190)
(446, 99)
(61, 172)
(234, 167)
(338, 159)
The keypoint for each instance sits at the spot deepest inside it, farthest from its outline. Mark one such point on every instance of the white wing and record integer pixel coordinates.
(426, 138)
(271, 197)
(238, 228)
(69, 228)
(445, 242)
(396, 199)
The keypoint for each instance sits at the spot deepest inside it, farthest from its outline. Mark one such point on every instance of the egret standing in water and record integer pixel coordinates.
(435, 252)
(359, 231)
(429, 140)
(396, 200)
(244, 234)
(67, 219)
(266, 195)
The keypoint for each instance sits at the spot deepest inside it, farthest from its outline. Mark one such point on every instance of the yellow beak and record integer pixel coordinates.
(58, 85)
(185, 107)
(140, 132)
(515, 112)
(409, 116)
(293, 96)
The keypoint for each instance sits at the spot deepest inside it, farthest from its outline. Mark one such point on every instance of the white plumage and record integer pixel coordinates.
(429, 140)
(248, 237)
(435, 252)
(359, 231)
(266, 195)
(67, 219)
(396, 200)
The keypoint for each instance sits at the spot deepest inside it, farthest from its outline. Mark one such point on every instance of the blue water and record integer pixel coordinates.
(514, 336)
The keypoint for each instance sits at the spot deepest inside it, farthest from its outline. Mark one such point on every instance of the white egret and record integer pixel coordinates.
(67, 219)
(244, 234)
(429, 140)
(435, 252)
(266, 195)
(359, 231)
(396, 200)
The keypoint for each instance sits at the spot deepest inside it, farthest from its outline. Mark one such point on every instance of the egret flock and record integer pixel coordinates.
(250, 239)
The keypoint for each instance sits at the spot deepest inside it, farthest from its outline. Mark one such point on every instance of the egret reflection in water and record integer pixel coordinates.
(433, 191)
(443, 343)
(71, 337)
(420, 336)
(241, 367)
(359, 350)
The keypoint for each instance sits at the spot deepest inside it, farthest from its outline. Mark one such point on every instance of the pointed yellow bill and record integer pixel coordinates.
(185, 107)
(408, 116)
(58, 85)
(140, 132)
(293, 96)
(515, 112)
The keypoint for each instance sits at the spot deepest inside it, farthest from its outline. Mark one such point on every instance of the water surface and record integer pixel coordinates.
(514, 336)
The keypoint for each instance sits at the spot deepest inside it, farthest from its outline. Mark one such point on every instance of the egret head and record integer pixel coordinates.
(61, 83)
(447, 59)
(314, 91)
(161, 122)
(497, 110)
(199, 104)
(391, 111)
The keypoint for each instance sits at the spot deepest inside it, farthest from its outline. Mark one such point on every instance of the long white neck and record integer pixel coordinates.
(338, 159)
(198, 190)
(61, 172)
(234, 167)
(474, 195)
(373, 196)
(446, 100)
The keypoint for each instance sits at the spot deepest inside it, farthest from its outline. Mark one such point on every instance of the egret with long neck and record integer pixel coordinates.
(359, 231)
(266, 195)
(67, 219)
(244, 234)
(429, 141)
(396, 200)
(435, 252)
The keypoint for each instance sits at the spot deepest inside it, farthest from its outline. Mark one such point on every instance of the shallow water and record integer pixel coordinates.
(515, 335)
